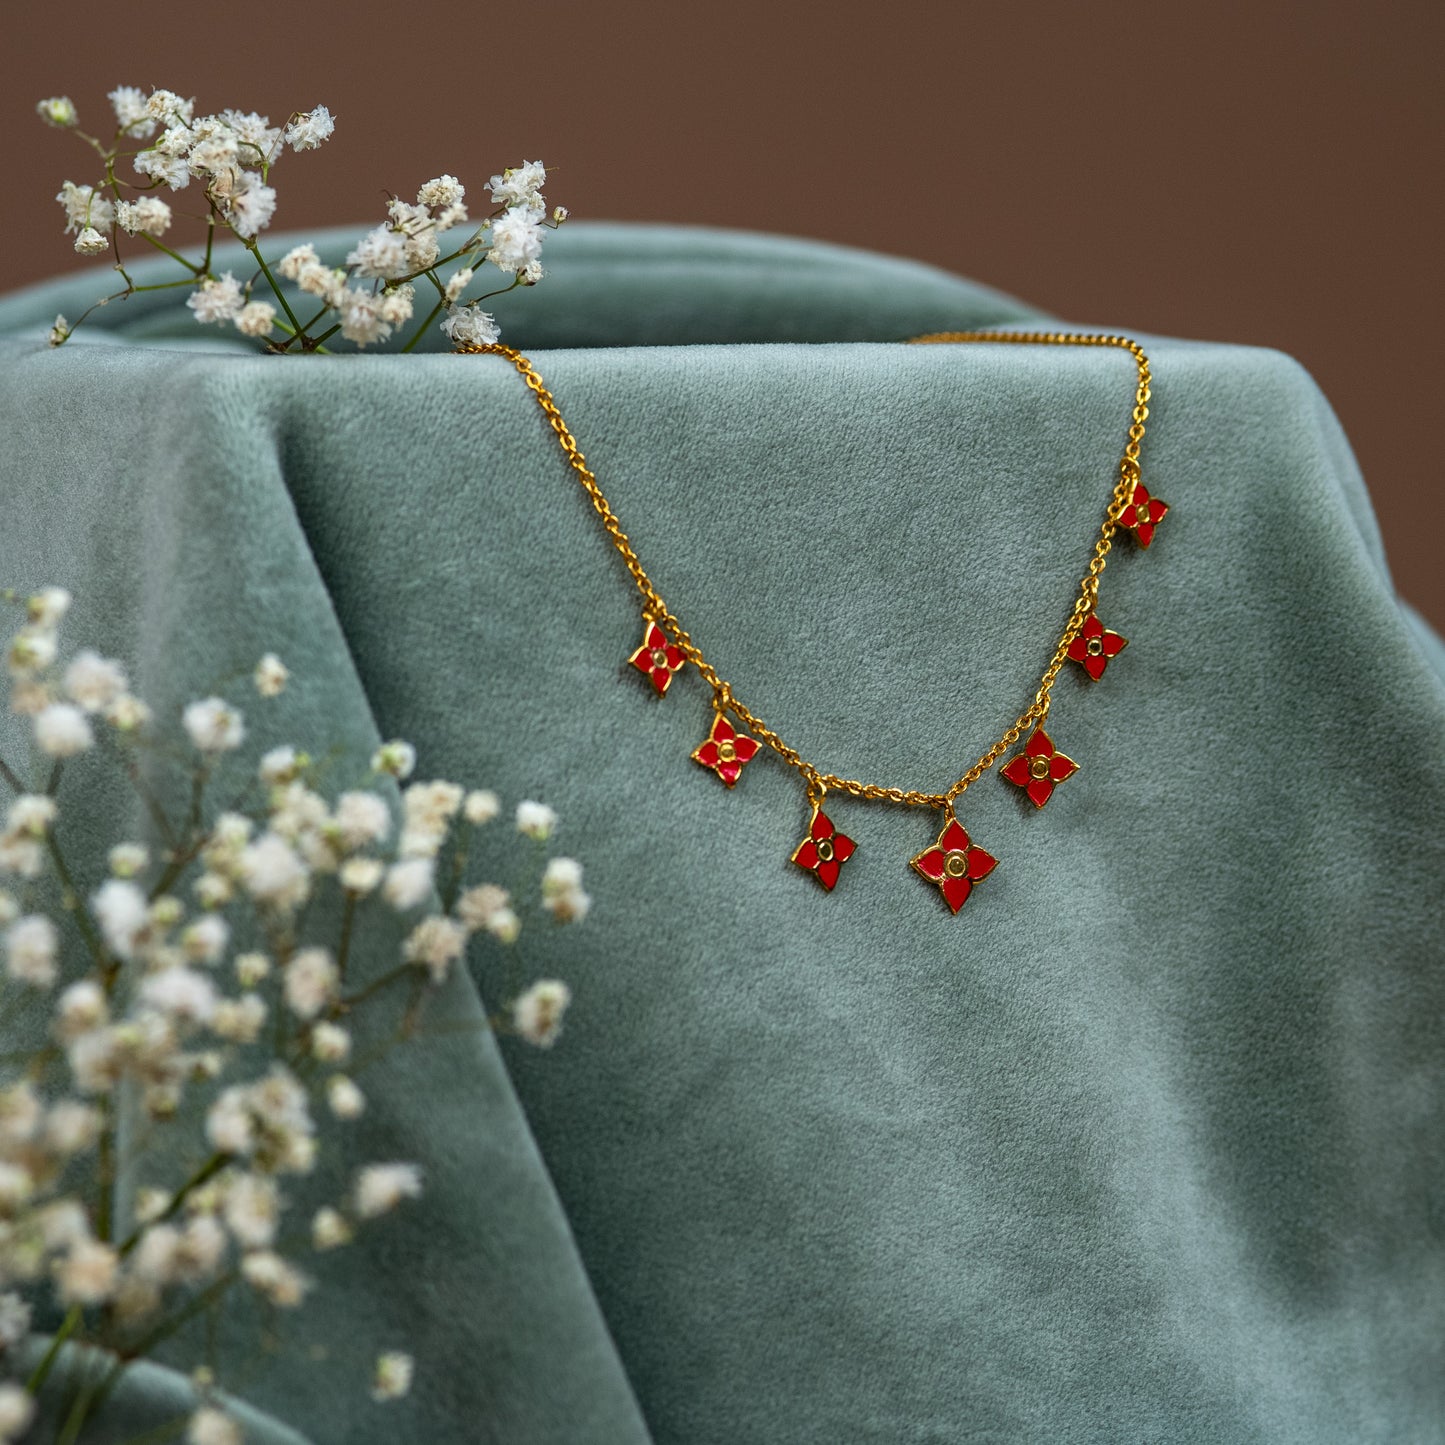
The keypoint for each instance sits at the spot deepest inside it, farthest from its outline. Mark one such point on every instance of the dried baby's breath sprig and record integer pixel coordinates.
(230, 156)
(188, 999)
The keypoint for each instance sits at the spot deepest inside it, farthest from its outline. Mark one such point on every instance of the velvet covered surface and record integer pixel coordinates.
(1143, 1145)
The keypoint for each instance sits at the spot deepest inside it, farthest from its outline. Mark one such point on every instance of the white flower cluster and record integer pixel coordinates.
(63, 706)
(167, 1011)
(515, 249)
(363, 315)
(231, 154)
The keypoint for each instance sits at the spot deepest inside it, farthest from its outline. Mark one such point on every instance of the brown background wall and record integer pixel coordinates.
(1263, 173)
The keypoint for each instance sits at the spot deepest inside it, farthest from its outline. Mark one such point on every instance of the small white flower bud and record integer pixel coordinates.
(151, 1203)
(58, 110)
(329, 1229)
(381, 1187)
(251, 968)
(408, 883)
(393, 1376)
(91, 243)
(213, 890)
(17, 1410)
(279, 766)
(537, 1014)
(360, 875)
(31, 947)
(562, 876)
(330, 1043)
(210, 1426)
(481, 806)
(504, 925)
(166, 911)
(47, 608)
(128, 859)
(536, 820)
(31, 815)
(271, 672)
(32, 649)
(127, 713)
(62, 731)
(256, 318)
(395, 758)
(213, 725)
(346, 1101)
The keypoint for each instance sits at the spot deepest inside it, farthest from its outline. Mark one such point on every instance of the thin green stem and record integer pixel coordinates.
(255, 251)
(178, 865)
(307, 327)
(459, 868)
(159, 286)
(343, 948)
(183, 857)
(199, 1176)
(474, 244)
(91, 1398)
(377, 985)
(91, 141)
(198, 788)
(82, 917)
(161, 1434)
(175, 255)
(68, 1327)
(500, 291)
(8, 773)
(105, 1173)
(163, 1331)
(153, 805)
(493, 1023)
(425, 325)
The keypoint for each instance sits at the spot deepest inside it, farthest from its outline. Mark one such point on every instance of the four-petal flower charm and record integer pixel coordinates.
(824, 851)
(726, 750)
(1143, 514)
(1039, 767)
(954, 864)
(1095, 645)
(657, 658)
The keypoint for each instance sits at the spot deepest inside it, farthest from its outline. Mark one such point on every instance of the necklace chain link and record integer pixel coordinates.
(724, 700)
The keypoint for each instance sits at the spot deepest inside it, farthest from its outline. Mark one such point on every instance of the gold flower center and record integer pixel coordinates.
(1095, 646)
(956, 865)
(1038, 766)
(825, 852)
(726, 752)
(659, 657)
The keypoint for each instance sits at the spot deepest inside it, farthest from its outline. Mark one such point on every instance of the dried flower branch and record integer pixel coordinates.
(187, 998)
(231, 155)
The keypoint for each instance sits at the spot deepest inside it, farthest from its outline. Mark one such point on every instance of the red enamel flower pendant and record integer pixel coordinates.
(1095, 645)
(726, 750)
(657, 658)
(824, 851)
(1039, 767)
(1143, 514)
(954, 864)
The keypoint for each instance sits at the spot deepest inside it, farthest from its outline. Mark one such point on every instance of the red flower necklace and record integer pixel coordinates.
(953, 864)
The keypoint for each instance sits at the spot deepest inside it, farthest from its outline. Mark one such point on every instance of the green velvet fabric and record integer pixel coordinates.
(1143, 1145)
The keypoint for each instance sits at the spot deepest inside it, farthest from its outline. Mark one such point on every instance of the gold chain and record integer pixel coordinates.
(724, 700)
